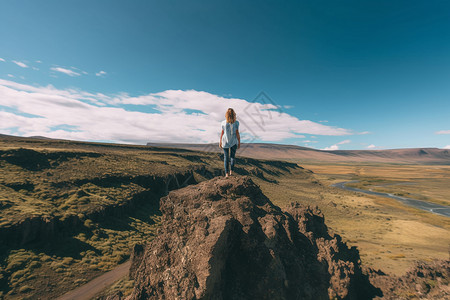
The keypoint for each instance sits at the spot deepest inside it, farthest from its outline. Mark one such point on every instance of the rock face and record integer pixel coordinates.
(46, 228)
(429, 280)
(223, 239)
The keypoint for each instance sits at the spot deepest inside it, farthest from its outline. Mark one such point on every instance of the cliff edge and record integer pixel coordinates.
(224, 239)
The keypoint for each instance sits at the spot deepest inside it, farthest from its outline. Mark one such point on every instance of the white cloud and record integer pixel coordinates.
(65, 71)
(447, 147)
(101, 73)
(79, 70)
(323, 121)
(39, 62)
(443, 132)
(372, 146)
(11, 76)
(36, 69)
(179, 116)
(20, 64)
(1, 59)
(364, 132)
(331, 148)
(309, 141)
(336, 146)
(344, 142)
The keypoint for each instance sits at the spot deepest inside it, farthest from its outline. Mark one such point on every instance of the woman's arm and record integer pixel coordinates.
(239, 138)
(220, 142)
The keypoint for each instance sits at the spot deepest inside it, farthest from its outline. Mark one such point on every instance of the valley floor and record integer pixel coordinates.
(389, 235)
(71, 211)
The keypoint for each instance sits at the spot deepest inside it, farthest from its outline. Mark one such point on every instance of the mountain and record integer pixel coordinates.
(292, 152)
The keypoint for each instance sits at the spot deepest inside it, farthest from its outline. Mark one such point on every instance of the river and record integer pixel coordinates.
(442, 210)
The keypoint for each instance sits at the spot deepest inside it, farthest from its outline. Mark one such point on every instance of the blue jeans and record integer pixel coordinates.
(229, 158)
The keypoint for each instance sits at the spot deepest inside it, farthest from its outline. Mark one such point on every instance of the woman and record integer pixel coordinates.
(230, 140)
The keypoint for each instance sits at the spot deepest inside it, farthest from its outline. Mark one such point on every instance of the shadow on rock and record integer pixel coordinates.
(224, 239)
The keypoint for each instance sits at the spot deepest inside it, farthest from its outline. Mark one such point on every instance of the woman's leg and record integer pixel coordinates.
(226, 158)
(232, 156)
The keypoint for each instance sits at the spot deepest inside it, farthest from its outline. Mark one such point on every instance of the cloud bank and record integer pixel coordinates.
(169, 116)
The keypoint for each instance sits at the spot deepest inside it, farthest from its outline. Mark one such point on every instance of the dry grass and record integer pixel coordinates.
(75, 178)
(48, 270)
(124, 285)
(59, 179)
(389, 235)
(422, 182)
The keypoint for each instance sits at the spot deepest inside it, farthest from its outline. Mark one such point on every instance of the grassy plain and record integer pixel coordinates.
(389, 235)
(61, 179)
(422, 182)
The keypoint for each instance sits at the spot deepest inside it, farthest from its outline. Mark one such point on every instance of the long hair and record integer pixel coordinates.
(230, 115)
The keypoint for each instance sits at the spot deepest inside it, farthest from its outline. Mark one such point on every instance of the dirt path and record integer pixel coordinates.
(90, 289)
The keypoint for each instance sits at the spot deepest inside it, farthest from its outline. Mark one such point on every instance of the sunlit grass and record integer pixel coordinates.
(70, 181)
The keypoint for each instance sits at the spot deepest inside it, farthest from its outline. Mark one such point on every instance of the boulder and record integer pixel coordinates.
(224, 239)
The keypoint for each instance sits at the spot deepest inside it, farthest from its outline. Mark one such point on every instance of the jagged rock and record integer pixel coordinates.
(223, 239)
(115, 296)
(429, 280)
(136, 256)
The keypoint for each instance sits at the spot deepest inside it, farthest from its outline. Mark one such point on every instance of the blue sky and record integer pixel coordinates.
(339, 74)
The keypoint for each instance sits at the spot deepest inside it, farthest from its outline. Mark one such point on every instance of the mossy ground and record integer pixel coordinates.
(48, 269)
(59, 179)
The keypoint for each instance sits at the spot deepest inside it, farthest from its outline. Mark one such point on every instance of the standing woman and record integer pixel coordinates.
(230, 140)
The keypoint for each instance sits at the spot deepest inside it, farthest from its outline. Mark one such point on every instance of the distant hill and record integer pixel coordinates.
(292, 152)
(40, 137)
(36, 137)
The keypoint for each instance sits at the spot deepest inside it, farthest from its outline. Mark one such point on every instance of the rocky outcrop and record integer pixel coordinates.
(429, 280)
(223, 239)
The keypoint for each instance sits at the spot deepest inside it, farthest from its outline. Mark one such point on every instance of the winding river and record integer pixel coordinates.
(423, 205)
